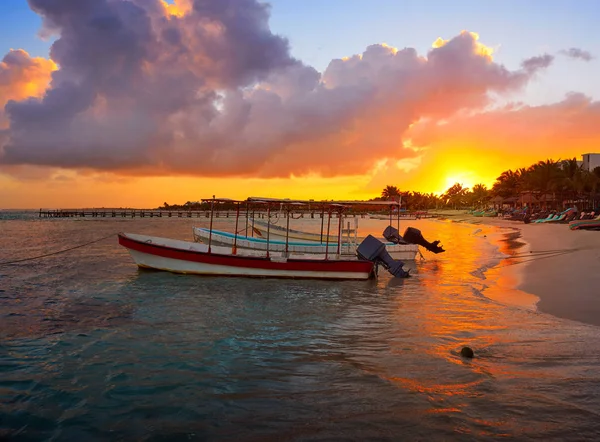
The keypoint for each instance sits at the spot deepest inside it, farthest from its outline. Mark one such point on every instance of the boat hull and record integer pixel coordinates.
(589, 224)
(403, 252)
(189, 258)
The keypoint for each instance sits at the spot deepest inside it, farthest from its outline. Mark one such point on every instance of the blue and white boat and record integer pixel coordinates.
(403, 252)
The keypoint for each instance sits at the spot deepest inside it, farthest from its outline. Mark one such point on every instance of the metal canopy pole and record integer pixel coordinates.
(212, 211)
(237, 217)
(322, 221)
(287, 232)
(328, 225)
(340, 231)
(268, 226)
(247, 213)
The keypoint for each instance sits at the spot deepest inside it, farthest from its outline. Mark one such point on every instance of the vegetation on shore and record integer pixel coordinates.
(549, 181)
(546, 182)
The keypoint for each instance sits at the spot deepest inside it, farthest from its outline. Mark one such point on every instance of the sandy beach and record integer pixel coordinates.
(567, 284)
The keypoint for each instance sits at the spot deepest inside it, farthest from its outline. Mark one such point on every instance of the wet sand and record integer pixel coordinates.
(567, 284)
(562, 269)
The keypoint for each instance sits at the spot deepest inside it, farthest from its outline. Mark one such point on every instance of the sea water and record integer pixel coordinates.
(91, 348)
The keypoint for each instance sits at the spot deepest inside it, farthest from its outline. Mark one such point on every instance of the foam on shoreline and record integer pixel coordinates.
(556, 271)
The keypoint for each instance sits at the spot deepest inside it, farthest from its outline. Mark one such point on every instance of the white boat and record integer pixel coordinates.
(208, 259)
(194, 258)
(404, 252)
(262, 229)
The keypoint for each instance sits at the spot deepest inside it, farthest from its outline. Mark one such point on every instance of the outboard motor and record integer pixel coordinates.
(373, 250)
(414, 236)
(392, 235)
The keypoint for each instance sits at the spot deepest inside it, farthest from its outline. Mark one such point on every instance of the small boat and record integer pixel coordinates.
(405, 252)
(586, 224)
(194, 258)
(484, 213)
(262, 229)
(207, 259)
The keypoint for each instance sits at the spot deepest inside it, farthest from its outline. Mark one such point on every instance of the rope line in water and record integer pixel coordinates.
(57, 252)
(541, 253)
(536, 258)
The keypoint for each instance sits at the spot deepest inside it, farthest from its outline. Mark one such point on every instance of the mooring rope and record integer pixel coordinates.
(540, 256)
(57, 252)
(539, 253)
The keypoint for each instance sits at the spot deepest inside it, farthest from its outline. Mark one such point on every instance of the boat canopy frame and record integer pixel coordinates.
(288, 205)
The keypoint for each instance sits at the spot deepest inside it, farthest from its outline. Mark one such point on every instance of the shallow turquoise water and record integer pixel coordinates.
(91, 348)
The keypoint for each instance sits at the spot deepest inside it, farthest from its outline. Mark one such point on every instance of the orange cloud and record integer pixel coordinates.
(22, 76)
(294, 121)
(479, 48)
(468, 148)
(210, 92)
(477, 147)
(568, 128)
(177, 8)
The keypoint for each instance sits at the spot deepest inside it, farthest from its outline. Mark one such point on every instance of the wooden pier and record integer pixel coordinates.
(132, 213)
(150, 213)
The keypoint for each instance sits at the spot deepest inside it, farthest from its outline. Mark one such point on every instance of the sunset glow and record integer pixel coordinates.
(177, 8)
(200, 99)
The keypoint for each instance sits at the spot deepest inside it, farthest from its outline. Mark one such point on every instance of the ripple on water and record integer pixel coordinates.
(92, 349)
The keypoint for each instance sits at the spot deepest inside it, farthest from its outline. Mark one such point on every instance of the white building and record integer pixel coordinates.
(591, 161)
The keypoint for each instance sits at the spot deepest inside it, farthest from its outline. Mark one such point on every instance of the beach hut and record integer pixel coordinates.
(510, 201)
(497, 201)
(528, 199)
(547, 199)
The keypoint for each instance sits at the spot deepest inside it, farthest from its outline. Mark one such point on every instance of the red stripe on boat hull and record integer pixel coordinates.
(350, 266)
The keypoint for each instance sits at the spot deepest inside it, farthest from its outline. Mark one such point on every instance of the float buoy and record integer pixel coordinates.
(467, 352)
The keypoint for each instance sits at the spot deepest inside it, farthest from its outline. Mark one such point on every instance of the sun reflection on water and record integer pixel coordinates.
(285, 359)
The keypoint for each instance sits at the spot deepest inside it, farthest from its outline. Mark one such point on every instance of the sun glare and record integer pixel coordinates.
(465, 179)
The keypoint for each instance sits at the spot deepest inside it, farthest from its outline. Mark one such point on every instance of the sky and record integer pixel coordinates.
(132, 103)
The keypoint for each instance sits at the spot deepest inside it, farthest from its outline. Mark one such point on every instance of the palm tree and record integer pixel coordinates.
(594, 184)
(416, 201)
(455, 195)
(390, 192)
(573, 178)
(546, 177)
(479, 194)
(508, 184)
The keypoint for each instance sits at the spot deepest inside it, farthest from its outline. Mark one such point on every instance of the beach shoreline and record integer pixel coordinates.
(557, 265)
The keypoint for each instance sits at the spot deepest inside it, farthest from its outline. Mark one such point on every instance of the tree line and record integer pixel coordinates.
(549, 182)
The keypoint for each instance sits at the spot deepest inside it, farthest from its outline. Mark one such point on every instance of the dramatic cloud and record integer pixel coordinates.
(578, 53)
(22, 76)
(565, 129)
(203, 87)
